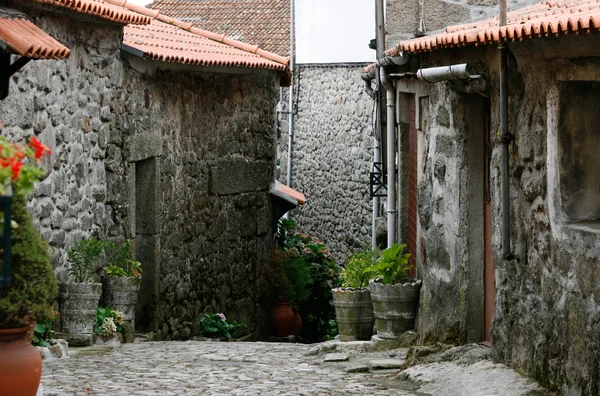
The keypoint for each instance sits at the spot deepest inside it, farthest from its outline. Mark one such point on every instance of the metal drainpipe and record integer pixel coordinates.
(391, 155)
(380, 48)
(506, 138)
(291, 102)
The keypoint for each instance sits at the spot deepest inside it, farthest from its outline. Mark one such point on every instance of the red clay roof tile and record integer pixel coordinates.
(29, 41)
(102, 9)
(164, 42)
(262, 22)
(548, 18)
(170, 40)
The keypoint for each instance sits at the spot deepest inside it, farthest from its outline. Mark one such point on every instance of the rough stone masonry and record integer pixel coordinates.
(332, 156)
(179, 163)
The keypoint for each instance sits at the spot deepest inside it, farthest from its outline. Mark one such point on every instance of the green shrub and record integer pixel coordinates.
(392, 265)
(354, 274)
(286, 278)
(217, 326)
(34, 286)
(83, 258)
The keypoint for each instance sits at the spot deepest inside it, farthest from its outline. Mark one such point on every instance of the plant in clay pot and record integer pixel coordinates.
(352, 301)
(286, 286)
(121, 283)
(78, 300)
(33, 287)
(395, 297)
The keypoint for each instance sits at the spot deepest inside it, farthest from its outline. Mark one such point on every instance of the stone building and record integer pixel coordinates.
(161, 133)
(539, 306)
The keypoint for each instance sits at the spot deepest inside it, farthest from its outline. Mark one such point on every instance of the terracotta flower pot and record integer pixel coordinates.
(20, 363)
(296, 327)
(282, 318)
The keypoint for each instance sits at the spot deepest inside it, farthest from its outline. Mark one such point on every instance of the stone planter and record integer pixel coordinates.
(77, 304)
(395, 306)
(353, 313)
(120, 294)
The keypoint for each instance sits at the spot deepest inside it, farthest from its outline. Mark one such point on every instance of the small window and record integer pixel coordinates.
(579, 150)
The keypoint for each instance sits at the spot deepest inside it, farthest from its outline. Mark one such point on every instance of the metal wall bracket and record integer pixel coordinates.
(377, 187)
(7, 70)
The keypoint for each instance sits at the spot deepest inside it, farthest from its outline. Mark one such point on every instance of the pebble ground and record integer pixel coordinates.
(207, 368)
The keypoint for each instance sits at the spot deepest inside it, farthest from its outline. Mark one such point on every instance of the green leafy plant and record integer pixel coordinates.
(286, 279)
(317, 309)
(392, 265)
(354, 274)
(217, 326)
(83, 258)
(34, 286)
(42, 332)
(108, 322)
(120, 260)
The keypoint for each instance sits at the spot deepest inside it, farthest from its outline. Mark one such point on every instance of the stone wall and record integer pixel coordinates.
(332, 155)
(179, 163)
(547, 312)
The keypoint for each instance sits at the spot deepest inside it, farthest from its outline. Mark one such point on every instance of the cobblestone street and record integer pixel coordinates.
(258, 368)
(211, 368)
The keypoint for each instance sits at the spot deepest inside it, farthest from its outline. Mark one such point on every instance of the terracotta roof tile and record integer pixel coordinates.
(262, 22)
(545, 19)
(164, 42)
(167, 39)
(29, 41)
(102, 9)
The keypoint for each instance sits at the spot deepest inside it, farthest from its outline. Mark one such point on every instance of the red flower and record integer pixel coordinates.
(15, 168)
(39, 148)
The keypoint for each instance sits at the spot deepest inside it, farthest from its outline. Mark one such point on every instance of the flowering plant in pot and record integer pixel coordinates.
(121, 283)
(33, 288)
(78, 300)
(395, 297)
(352, 301)
(109, 325)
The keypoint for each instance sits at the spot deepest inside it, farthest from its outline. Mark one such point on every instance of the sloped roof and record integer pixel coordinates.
(265, 23)
(27, 40)
(102, 9)
(167, 43)
(546, 19)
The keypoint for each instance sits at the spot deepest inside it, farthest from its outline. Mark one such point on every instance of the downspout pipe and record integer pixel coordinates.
(506, 139)
(391, 155)
(291, 98)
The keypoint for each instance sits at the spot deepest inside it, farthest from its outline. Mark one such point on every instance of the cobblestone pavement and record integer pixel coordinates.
(207, 368)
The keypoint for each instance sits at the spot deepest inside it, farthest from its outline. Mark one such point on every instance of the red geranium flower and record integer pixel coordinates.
(39, 148)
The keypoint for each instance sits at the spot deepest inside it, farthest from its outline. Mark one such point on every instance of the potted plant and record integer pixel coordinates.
(395, 297)
(121, 283)
(352, 301)
(78, 300)
(109, 326)
(33, 287)
(286, 281)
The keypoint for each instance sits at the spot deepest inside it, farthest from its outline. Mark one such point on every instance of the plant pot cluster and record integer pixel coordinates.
(78, 301)
(391, 299)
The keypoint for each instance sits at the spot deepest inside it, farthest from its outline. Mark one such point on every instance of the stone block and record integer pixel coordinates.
(77, 340)
(234, 176)
(144, 145)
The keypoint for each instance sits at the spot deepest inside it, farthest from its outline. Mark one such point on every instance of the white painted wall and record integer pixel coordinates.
(331, 31)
